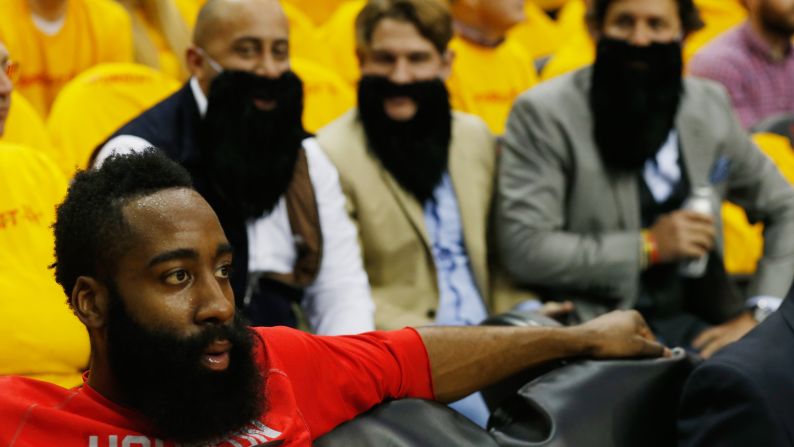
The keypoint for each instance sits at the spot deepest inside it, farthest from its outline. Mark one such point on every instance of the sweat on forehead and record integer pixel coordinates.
(90, 224)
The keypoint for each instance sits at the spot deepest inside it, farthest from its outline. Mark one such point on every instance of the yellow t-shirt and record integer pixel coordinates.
(744, 243)
(93, 31)
(539, 35)
(485, 81)
(41, 336)
(339, 37)
(25, 127)
(106, 96)
(326, 95)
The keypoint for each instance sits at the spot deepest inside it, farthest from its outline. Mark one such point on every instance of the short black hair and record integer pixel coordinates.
(687, 12)
(90, 230)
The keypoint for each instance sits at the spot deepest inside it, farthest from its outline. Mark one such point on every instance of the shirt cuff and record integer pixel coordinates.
(771, 302)
(531, 305)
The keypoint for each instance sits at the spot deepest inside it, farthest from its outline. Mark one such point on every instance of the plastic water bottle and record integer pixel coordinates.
(700, 202)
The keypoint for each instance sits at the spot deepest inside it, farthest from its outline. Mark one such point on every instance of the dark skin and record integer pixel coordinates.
(176, 277)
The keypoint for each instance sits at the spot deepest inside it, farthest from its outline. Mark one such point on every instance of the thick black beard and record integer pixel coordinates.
(250, 154)
(634, 98)
(415, 151)
(160, 376)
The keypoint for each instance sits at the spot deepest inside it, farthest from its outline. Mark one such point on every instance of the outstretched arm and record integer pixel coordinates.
(466, 359)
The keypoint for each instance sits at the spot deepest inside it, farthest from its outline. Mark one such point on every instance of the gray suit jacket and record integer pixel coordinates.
(567, 225)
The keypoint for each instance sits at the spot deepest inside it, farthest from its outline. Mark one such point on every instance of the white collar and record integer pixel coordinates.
(200, 97)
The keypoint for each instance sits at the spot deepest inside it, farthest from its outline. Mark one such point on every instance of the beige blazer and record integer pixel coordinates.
(391, 226)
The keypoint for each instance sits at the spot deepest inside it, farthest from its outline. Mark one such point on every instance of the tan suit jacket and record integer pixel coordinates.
(391, 225)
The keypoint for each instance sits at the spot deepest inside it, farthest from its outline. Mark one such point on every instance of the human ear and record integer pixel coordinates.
(90, 301)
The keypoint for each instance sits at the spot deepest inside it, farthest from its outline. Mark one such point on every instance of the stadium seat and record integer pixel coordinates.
(96, 103)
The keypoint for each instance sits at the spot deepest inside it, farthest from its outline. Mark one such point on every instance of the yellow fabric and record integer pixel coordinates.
(571, 19)
(744, 243)
(96, 103)
(549, 5)
(317, 11)
(41, 337)
(326, 95)
(25, 127)
(719, 16)
(170, 63)
(339, 39)
(304, 37)
(577, 53)
(94, 31)
(485, 81)
(539, 35)
(189, 10)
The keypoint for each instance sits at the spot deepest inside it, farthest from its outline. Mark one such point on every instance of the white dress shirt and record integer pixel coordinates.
(339, 299)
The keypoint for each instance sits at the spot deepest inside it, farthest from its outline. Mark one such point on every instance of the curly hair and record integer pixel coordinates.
(90, 230)
(687, 12)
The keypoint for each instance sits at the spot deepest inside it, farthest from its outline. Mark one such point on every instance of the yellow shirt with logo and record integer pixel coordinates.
(485, 81)
(41, 336)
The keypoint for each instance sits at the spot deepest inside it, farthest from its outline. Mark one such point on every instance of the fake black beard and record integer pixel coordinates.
(415, 151)
(250, 153)
(161, 377)
(634, 99)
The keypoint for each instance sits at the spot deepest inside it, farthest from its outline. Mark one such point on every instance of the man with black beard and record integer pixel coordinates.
(146, 266)
(418, 177)
(236, 126)
(597, 166)
(754, 61)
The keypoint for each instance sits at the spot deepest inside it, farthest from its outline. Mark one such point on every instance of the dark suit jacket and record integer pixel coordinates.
(744, 395)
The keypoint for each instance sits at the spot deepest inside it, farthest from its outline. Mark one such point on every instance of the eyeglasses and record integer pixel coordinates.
(11, 69)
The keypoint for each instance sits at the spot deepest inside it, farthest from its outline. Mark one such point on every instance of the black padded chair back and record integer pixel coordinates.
(608, 403)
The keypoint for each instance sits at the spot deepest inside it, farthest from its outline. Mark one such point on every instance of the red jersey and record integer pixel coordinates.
(312, 384)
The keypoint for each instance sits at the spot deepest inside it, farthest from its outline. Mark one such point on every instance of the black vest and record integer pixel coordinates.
(173, 126)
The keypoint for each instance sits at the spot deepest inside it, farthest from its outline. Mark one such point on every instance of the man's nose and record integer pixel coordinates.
(641, 35)
(268, 67)
(401, 74)
(214, 304)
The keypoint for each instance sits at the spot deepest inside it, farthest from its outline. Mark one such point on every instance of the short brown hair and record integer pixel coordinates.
(687, 12)
(430, 17)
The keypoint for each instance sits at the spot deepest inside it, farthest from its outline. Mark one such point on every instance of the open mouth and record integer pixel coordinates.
(264, 104)
(216, 356)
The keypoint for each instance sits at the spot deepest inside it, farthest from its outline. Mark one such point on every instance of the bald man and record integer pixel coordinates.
(236, 126)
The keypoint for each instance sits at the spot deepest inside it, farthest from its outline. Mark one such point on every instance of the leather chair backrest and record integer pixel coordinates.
(607, 403)
(408, 423)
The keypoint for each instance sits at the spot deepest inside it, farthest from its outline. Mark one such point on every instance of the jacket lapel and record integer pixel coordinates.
(468, 193)
(693, 145)
(409, 205)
